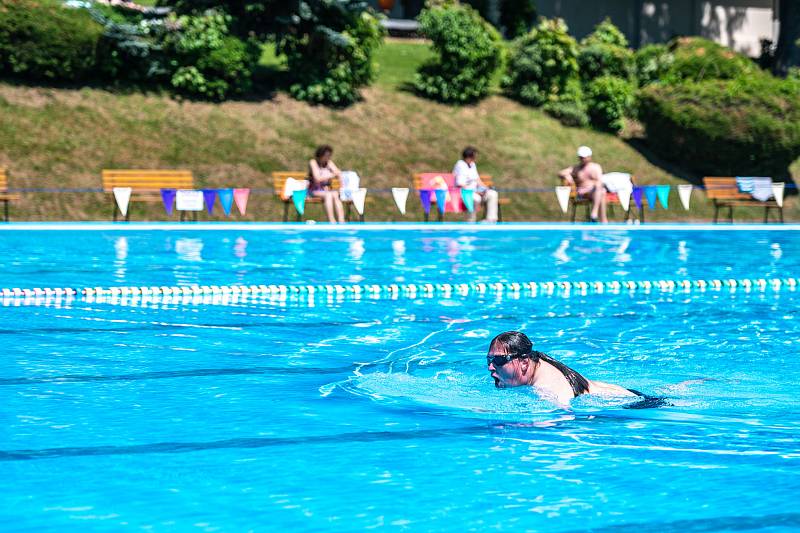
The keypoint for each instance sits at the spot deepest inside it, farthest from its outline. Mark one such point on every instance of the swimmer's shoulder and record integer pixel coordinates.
(608, 389)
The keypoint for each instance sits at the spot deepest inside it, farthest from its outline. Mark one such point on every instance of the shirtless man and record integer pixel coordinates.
(513, 362)
(587, 176)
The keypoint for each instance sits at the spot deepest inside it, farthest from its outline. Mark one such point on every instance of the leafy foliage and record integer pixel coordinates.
(697, 59)
(468, 52)
(741, 127)
(605, 52)
(517, 17)
(43, 40)
(570, 109)
(609, 100)
(653, 62)
(542, 63)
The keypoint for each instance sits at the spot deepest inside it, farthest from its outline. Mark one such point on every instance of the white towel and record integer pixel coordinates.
(350, 183)
(617, 181)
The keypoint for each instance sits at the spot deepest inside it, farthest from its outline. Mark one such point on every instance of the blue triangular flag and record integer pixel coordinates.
(209, 196)
(299, 199)
(651, 193)
(441, 199)
(226, 199)
(663, 195)
(637, 197)
(425, 198)
(468, 196)
(168, 197)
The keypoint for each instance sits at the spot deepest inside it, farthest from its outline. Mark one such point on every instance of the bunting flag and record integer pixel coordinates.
(777, 192)
(209, 196)
(441, 200)
(662, 191)
(425, 198)
(562, 193)
(240, 196)
(685, 193)
(359, 196)
(299, 199)
(650, 193)
(123, 197)
(400, 195)
(468, 196)
(637, 197)
(624, 196)
(189, 200)
(226, 199)
(168, 197)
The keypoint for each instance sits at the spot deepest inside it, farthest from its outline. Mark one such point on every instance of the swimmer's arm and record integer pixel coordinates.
(608, 389)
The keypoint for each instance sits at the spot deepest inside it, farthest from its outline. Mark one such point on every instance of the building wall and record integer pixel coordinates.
(740, 24)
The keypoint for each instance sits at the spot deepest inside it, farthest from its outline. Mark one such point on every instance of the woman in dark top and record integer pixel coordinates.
(513, 362)
(321, 171)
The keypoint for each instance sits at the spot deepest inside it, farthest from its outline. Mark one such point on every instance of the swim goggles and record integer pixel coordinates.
(500, 360)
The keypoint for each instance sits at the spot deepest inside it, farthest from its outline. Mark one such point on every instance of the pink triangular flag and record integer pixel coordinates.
(240, 196)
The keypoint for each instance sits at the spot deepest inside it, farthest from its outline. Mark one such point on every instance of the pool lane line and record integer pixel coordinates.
(219, 294)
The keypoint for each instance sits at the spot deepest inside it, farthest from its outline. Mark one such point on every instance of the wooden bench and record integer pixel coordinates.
(724, 192)
(6, 196)
(279, 182)
(417, 181)
(146, 184)
(611, 199)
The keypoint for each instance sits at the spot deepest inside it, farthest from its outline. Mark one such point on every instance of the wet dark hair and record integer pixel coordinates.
(519, 345)
(469, 152)
(322, 150)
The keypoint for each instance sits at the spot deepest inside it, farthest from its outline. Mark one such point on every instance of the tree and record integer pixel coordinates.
(787, 53)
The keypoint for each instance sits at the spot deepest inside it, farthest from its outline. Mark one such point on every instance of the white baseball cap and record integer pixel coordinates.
(584, 151)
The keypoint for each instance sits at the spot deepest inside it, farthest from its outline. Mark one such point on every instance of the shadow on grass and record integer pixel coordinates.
(640, 145)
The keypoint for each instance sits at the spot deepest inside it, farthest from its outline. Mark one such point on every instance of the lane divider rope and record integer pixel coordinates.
(394, 290)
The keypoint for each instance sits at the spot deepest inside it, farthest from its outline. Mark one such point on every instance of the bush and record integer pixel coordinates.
(541, 63)
(205, 60)
(468, 52)
(42, 40)
(609, 99)
(570, 108)
(330, 63)
(742, 127)
(605, 52)
(653, 62)
(697, 59)
(517, 17)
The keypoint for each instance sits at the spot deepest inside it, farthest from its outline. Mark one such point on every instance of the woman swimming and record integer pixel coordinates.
(513, 362)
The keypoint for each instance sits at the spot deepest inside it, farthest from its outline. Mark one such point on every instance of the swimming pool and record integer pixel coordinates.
(349, 414)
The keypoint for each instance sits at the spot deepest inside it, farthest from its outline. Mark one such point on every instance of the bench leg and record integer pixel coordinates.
(766, 214)
(499, 212)
(5, 209)
(114, 215)
(780, 210)
(128, 214)
(716, 212)
(573, 211)
(286, 211)
(730, 214)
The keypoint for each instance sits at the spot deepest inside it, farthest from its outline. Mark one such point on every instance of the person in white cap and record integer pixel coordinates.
(587, 177)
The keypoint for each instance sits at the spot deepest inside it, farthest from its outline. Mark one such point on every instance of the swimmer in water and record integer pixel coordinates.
(513, 362)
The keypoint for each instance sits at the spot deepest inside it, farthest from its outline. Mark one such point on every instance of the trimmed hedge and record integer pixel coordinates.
(467, 53)
(742, 127)
(609, 100)
(697, 59)
(43, 40)
(542, 63)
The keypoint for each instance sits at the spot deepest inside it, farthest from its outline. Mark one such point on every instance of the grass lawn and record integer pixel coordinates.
(64, 138)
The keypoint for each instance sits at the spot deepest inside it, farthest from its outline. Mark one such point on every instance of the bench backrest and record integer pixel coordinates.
(3, 180)
(573, 193)
(434, 180)
(279, 181)
(724, 188)
(147, 180)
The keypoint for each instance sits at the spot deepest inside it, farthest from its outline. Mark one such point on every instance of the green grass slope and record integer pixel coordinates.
(63, 138)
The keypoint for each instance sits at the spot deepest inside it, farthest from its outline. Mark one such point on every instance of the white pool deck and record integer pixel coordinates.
(386, 226)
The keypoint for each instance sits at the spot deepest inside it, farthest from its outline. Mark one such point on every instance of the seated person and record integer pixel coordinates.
(587, 177)
(467, 177)
(513, 362)
(321, 170)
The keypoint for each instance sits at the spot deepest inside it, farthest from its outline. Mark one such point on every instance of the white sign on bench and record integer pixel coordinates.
(189, 200)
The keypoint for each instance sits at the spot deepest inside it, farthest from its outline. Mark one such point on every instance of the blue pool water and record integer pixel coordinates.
(354, 414)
